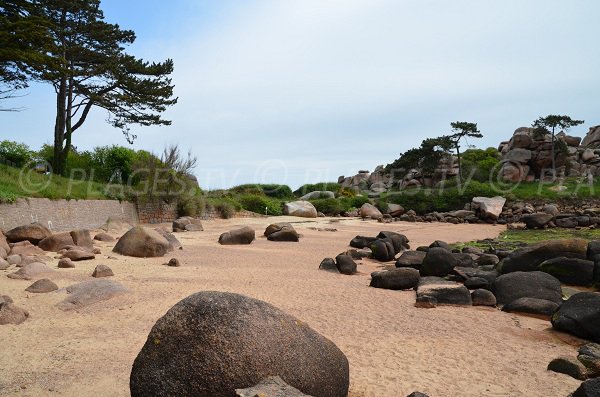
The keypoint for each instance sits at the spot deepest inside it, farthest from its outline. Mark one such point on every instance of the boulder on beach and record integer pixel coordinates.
(362, 241)
(568, 366)
(281, 232)
(4, 264)
(412, 259)
(56, 242)
(512, 286)
(42, 286)
(245, 235)
(438, 262)
(383, 250)
(580, 316)
(32, 271)
(444, 291)
(328, 264)
(573, 271)
(488, 207)
(399, 241)
(66, 263)
(141, 242)
(82, 238)
(187, 224)
(483, 297)
(370, 211)
(536, 221)
(209, 344)
(102, 271)
(104, 237)
(25, 248)
(12, 314)
(529, 258)
(34, 233)
(345, 264)
(396, 279)
(538, 307)
(589, 388)
(89, 292)
(77, 255)
(303, 209)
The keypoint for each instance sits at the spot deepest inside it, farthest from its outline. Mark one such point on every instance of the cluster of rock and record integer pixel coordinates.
(528, 156)
(243, 343)
(187, 224)
(246, 235)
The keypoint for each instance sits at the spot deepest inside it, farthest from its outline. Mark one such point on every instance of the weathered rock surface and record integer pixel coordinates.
(512, 286)
(4, 264)
(32, 271)
(56, 242)
(536, 221)
(209, 344)
(245, 235)
(77, 255)
(444, 292)
(539, 307)
(102, 271)
(483, 297)
(568, 366)
(329, 265)
(396, 279)
(281, 232)
(303, 209)
(318, 195)
(413, 259)
(273, 386)
(438, 262)
(42, 286)
(580, 316)
(66, 263)
(370, 211)
(142, 243)
(104, 237)
(529, 258)
(345, 264)
(12, 314)
(25, 248)
(488, 207)
(82, 238)
(89, 292)
(571, 271)
(34, 233)
(187, 223)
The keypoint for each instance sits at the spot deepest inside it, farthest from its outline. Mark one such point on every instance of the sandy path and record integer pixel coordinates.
(393, 347)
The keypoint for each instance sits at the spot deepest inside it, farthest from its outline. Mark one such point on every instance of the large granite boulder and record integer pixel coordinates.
(141, 242)
(303, 209)
(396, 279)
(212, 343)
(187, 224)
(539, 307)
(362, 241)
(82, 238)
(370, 211)
(412, 259)
(383, 250)
(242, 236)
(317, 195)
(438, 262)
(592, 138)
(400, 241)
(34, 233)
(488, 207)
(443, 292)
(281, 232)
(56, 242)
(580, 316)
(530, 258)
(572, 271)
(90, 292)
(512, 286)
(32, 271)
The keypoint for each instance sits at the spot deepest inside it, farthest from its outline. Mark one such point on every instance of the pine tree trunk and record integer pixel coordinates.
(59, 127)
(553, 158)
(459, 165)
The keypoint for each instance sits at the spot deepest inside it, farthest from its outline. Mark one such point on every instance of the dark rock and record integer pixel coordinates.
(426, 302)
(438, 262)
(488, 260)
(12, 314)
(245, 235)
(396, 279)
(440, 244)
(538, 307)
(540, 285)
(593, 249)
(536, 221)
(104, 237)
(78, 255)
(56, 242)
(399, 241)
(413, 259)
(445, 292)
(580, 316)
(273, 386)
(589, 356)
(173, 262)
(568, 366)
(472, 250)
(82, 238)
(589, 388)
(529, 258)
(42, 286)
(571, 271)
(417, 394)
(89, 292)
(32, 271)
(66, 263)
(463, 260)
(477, 283)
(102, 271)
(345, 264)
(209, 344)
(34, 233)
(566, 223)
(281, 232)
(329, 265)
(141, 242)
(362, 242)
(483, 297)
(383, 250)
(174, 244)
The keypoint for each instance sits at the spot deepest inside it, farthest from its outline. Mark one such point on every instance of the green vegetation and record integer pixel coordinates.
(317, 187)
(337, 206)
(269, 190)
(261, 204)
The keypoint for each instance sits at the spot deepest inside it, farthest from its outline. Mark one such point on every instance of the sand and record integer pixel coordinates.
(393, 347)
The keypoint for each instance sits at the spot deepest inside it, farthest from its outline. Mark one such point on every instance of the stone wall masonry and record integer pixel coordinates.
(61, 215)
(156, 212)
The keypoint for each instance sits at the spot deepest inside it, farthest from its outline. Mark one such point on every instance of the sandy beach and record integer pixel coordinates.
(393, 348)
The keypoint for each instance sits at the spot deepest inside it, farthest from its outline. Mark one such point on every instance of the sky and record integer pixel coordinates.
(303, 91)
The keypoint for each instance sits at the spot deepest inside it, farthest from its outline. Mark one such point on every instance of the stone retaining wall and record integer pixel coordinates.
(156, 212)
(61, 215)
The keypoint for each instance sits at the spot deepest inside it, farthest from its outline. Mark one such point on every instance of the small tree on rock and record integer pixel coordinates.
(461, 130)
(549, 125)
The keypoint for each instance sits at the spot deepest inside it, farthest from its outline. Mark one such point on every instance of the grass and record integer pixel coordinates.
(15, 184)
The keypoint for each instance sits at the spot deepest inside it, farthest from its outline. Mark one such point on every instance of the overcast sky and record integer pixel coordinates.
(296, 91)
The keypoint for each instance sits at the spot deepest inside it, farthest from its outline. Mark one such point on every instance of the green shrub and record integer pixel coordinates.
(16, 153)
(482, 164)
(191, 205)
(226, 210)
(350, 203)
(269, 190)
(258, 203)
(314, 187)
(328, 206)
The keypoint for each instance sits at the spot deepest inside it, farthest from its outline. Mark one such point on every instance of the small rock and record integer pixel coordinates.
(174, 262)
(66, 263)
(273, 386)
(483, 297)
(328, 264)
(477, 283)
(345, 264)
(102, 271)
(540, 307)
(4, 264)
(11, 314)
(569, 366)
(104, 237)
(78, 255)
(14, 259)
(396, 279)
(42, 286)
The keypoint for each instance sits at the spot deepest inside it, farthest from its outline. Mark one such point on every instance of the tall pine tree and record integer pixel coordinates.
(88, 67)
